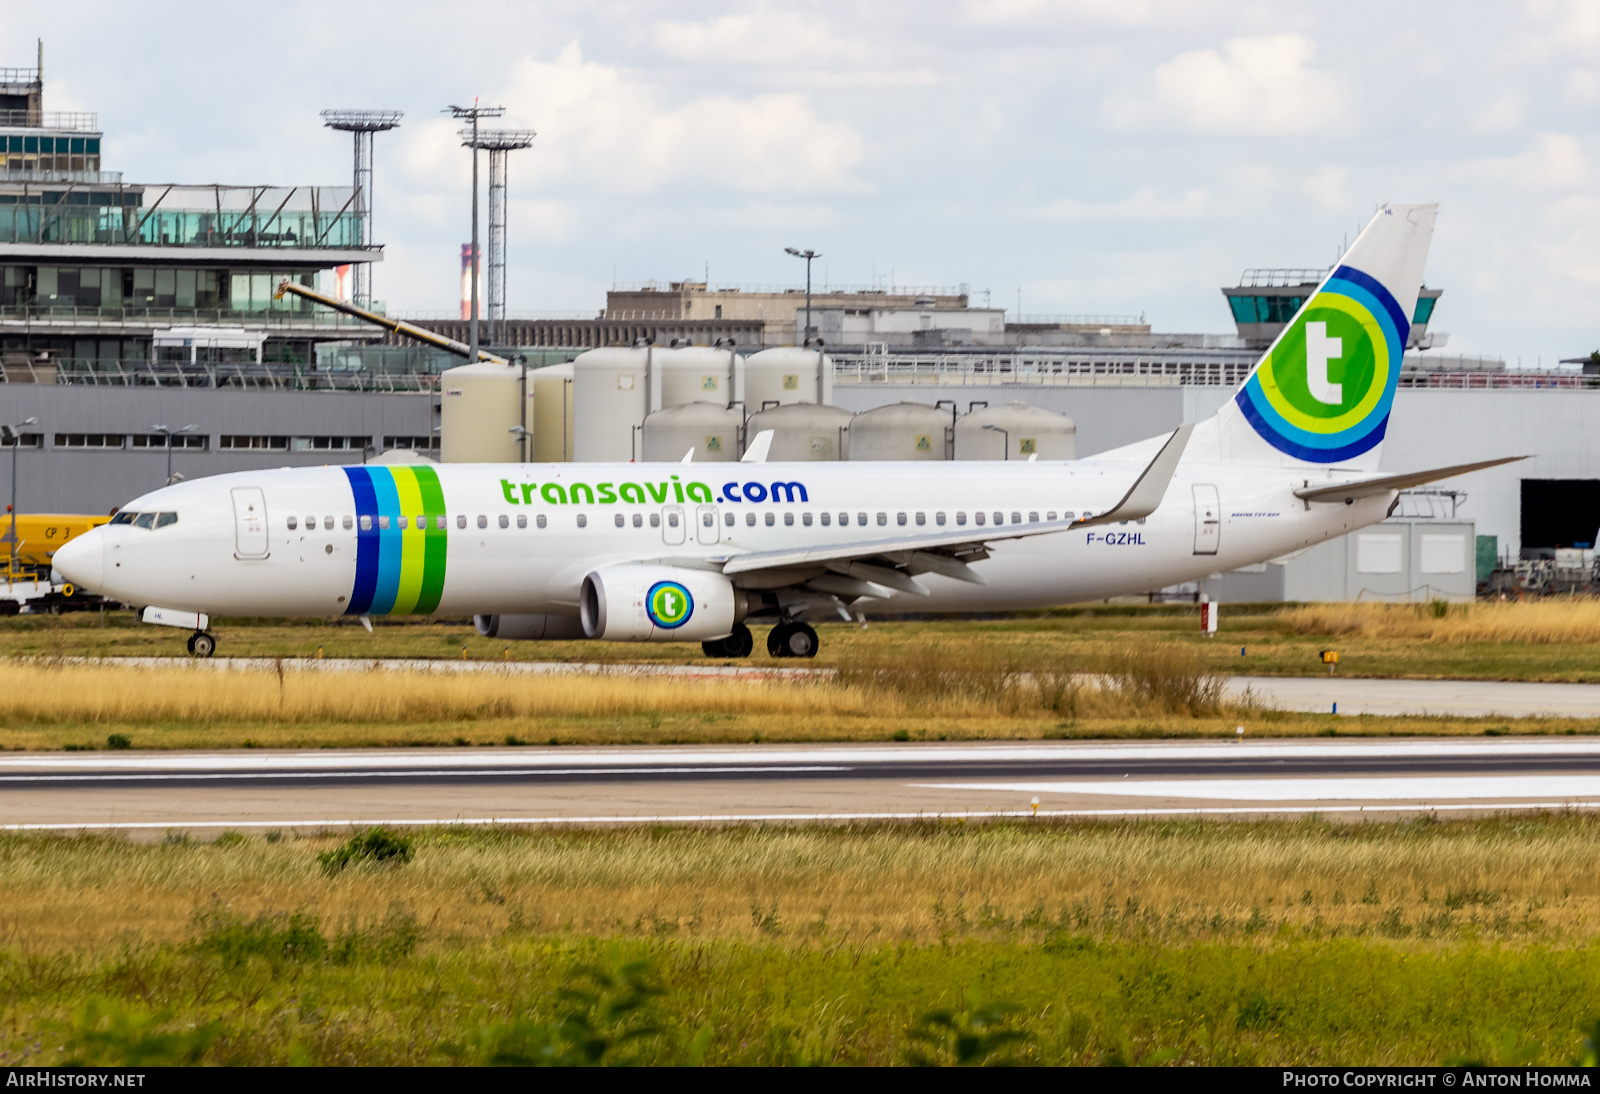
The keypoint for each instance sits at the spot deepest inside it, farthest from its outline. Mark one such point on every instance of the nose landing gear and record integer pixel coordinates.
(792, 640)
(202, 644)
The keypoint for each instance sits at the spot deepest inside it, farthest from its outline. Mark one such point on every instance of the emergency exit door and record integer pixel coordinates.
(1207, 519)
(706, 530)
(672, 529)
(249, 522)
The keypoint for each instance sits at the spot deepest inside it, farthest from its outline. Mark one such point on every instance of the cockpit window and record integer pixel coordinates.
(164, 519)
(123, 517)
(144, 520)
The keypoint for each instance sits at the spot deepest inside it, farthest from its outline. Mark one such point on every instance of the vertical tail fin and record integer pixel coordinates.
(1321, 393)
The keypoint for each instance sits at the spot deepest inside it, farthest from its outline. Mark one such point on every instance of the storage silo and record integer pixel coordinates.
(787, 375)
(1015, 431)
(900, 431)
(801, 432)
(711, 429)
(551, 418)
(478, 408)
(699, 374)
(610, 398)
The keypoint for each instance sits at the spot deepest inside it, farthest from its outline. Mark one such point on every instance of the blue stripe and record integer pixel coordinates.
(388, 586)
(1402, 321)
(1304, 452)
(366, 542)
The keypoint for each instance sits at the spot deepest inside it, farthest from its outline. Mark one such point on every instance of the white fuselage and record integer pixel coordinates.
(1214, 517)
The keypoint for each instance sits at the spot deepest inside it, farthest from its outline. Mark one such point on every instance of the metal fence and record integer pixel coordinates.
(261, 375)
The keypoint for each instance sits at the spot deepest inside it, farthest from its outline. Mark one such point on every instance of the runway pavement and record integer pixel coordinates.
(152, 792)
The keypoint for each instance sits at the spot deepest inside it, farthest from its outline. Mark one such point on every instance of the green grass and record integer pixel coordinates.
(1278, 943)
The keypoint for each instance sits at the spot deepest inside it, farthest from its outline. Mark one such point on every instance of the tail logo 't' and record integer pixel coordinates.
(1324, 391)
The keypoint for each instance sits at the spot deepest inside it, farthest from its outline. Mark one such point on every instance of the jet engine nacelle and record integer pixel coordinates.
(529, 628)
(638, 603)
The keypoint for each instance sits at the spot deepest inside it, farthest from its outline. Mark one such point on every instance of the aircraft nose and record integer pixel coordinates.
(82, 561)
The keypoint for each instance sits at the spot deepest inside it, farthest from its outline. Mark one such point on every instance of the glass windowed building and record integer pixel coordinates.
(94, 270)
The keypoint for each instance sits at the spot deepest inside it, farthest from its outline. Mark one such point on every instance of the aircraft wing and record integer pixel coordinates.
(1365, 488)
(873, 567)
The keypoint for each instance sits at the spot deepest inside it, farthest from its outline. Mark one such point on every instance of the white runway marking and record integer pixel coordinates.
(398, 773)
(263, 760)
(789, 818)
(1425, 789)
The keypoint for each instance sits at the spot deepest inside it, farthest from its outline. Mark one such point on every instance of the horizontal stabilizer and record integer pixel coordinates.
(1366, 488)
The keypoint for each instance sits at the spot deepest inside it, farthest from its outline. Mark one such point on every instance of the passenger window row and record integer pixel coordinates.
(385, 523)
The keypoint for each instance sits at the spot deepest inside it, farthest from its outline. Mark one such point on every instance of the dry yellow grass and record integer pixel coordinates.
(953, 686)
(1543, 622)
(1511, 878)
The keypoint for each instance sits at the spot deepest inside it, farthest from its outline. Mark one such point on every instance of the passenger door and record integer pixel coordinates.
(706, 529)
(1207, 519)
(672, 529)
(249, 522)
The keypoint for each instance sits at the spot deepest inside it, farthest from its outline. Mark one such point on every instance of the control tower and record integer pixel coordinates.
(1265, 300)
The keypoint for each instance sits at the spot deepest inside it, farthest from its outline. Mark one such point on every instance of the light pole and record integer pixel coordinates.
(808, 255)
(167, 432)
(13, 436)
(473, 113)
(1007, 433)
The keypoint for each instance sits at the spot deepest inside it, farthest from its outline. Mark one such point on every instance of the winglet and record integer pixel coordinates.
(688, 457)
(758, 449)
(1151, 485)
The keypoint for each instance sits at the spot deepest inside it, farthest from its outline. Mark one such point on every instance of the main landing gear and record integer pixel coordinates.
(202, 644)
(792, 640)
(784, 640)
(737, 644)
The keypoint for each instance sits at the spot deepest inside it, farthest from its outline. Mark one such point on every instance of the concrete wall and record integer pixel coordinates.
(79, 481)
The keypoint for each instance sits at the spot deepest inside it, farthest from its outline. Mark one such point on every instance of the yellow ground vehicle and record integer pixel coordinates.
(25, 581)
(39, 534)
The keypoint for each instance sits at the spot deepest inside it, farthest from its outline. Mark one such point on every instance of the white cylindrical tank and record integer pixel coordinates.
(1030, 430)
(478, 407)
(801, 432)
(787, 374)
(551, 414)
(900, 431)
(698, 374)
(610, 398)
(711, 429)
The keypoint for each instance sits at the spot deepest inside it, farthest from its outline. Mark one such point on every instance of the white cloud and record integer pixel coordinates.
(1553, 162)
(1145, 204)
(1327, 187)
(1500, 116)
(788, 49)
(1252, 87)
(607, 129)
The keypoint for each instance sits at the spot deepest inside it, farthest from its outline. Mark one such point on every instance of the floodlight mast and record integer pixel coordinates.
(498, 142)
(473, 114)
(362, 124)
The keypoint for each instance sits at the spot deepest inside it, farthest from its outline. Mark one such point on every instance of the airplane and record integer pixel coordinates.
(637, 552)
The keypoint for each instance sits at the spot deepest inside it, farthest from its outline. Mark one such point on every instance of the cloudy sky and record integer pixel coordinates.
(1097, 156)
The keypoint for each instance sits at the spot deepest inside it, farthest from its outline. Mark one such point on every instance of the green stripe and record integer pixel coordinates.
(436, 540)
